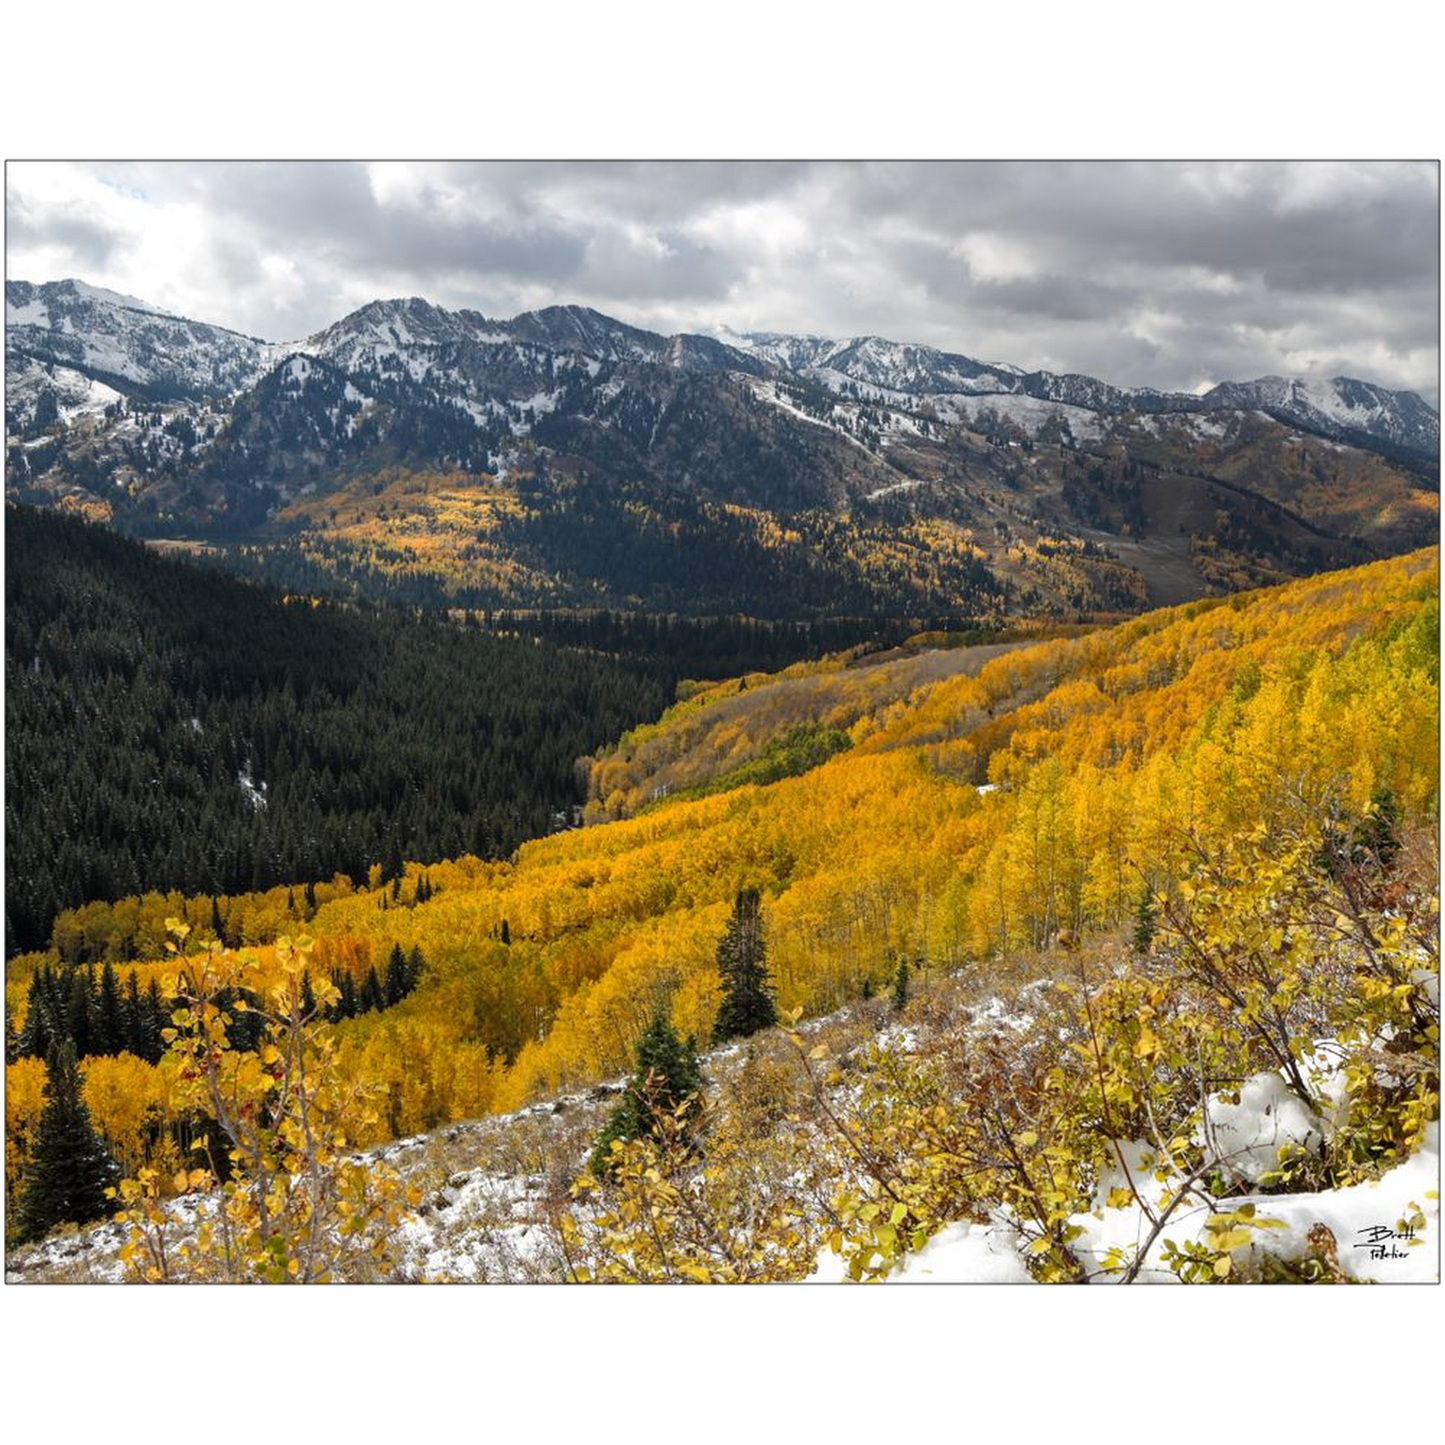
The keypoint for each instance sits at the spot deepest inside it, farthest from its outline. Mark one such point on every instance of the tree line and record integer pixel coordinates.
(95, 1014)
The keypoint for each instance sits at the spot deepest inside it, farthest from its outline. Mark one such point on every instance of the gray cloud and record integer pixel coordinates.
(1167, 274)
(92, 245)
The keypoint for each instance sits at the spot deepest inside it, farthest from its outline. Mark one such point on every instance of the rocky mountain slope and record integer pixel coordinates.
(596, 463)
(1339, 407)
(118, 340)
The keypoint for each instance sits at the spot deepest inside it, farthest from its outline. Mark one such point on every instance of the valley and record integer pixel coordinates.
(416, 731)
(976, 813)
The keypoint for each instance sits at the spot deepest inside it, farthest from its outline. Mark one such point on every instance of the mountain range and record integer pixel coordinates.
(565, 458)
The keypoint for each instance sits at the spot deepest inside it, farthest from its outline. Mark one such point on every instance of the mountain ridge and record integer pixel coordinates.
(1330, 406)
(565, 458)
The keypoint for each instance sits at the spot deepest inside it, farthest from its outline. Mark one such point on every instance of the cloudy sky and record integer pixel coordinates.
(1172, 275)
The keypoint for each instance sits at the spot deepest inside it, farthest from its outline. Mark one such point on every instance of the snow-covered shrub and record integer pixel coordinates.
(1177, 1093)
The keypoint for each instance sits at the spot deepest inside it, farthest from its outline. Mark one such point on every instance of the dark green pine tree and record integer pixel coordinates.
(393, 981)
(78, 1012)
(40, 1024)
(154, 1021)
(667, 1073)
(70, 1168)
(372, 997)
(900, 986)
(132, 1018)
(747, 1002)
(1146, 921)
(349, 1007)
(109, 1024)
(308, 995)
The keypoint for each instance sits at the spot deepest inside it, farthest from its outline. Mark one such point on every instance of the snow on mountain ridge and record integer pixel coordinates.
(35, 309)
(477, 362)
(1342, 406)
(119, 340)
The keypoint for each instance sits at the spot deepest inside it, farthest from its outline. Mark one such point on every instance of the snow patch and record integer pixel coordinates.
(963, 1253)
(893, 487)
(1245, 1137)
(254, 793)
(1367, 1226)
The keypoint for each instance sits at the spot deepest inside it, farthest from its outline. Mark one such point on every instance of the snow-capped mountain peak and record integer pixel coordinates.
(127, 343)
(576, 358)
(1339, 406)
(30, 305)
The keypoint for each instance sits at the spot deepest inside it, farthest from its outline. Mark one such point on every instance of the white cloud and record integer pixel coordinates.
(994, 258)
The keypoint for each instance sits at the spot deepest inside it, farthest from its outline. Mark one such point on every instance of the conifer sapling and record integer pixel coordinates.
(667, 1074)
(747, 1002)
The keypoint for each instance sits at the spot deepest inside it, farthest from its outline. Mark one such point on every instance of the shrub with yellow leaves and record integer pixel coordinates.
(1295, 932)
(751, 1209)
(296, 1204)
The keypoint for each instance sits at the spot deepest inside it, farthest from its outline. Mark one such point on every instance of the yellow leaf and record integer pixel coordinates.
(1148, 1044)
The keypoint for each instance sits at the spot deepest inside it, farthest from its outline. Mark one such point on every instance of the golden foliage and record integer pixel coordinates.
(979, 813)
(297, 1205)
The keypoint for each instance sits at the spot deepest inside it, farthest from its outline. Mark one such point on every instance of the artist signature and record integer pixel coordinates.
(1384, 1240)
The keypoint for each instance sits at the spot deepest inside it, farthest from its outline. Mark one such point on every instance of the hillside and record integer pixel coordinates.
(495, 1202)
(721, 736)
(188, 731)
(979, 812)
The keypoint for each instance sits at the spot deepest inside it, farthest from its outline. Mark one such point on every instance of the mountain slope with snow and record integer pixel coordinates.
(1356, 411)
(1339, 407)
(892, 475)
(128, 343)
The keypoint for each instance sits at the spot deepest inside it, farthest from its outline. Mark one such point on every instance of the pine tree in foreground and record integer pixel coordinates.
(900, 987)
(747, 1002)
(70, 1168)
(1146, 921)
(667, 1074)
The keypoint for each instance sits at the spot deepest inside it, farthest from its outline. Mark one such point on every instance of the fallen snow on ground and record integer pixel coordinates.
(892, 488)
(967, 1254)
(481, 1226)
(964, 1253)
(1363, 1219)
(1245, 1137)
(1368, 1224)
